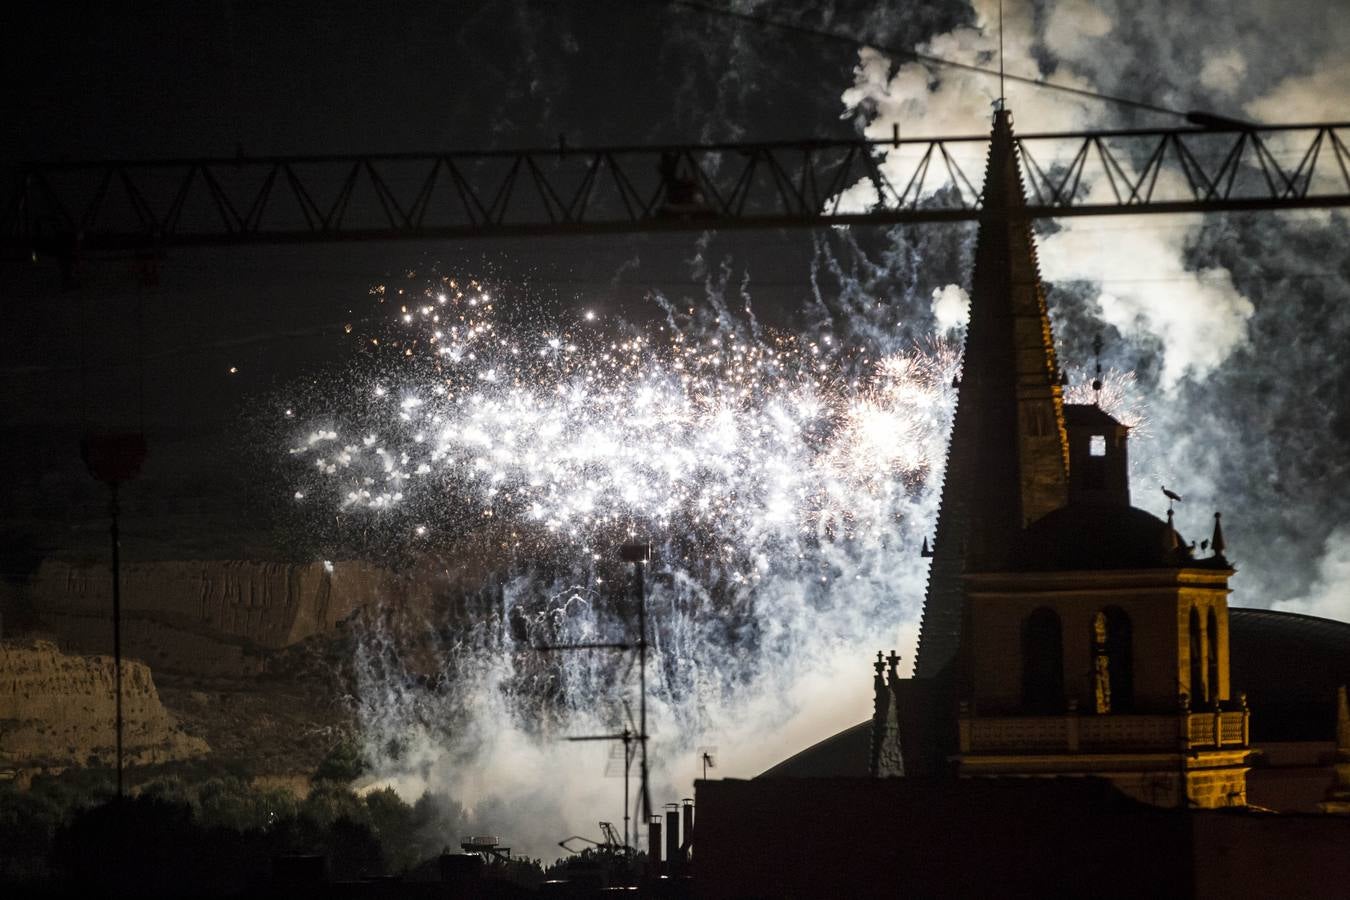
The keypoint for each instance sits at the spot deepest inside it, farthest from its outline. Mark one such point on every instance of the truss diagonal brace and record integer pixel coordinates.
(69, 207)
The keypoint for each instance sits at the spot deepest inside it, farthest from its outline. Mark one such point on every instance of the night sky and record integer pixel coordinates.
(1245, 389)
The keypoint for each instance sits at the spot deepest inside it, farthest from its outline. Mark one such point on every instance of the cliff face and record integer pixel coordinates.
(248, 655)
(267, 605)
(58, 710)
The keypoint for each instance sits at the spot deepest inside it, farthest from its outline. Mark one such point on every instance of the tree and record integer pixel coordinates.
(344, 762)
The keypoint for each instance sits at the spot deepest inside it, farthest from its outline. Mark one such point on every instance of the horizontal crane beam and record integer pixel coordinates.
(148, 204)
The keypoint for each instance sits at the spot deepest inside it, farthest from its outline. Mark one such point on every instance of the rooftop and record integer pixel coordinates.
(1097, 536)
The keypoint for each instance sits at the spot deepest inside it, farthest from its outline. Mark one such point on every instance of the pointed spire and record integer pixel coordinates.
(925, 551)
(1171, 541)
(1008, 460)
(1217, 541)
(1017, 392)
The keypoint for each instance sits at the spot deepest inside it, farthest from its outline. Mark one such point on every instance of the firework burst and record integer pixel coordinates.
(578, 432)
(787, 479)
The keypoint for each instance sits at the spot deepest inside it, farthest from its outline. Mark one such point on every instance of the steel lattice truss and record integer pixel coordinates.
(153, 203)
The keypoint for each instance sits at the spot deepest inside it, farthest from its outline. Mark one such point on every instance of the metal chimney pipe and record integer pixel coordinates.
(672, 839)
(687, 844)
(654, 845)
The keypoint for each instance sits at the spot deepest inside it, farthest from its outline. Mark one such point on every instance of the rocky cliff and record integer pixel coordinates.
(251, 656)
(203, 615)
(270, 604)
(58, 710)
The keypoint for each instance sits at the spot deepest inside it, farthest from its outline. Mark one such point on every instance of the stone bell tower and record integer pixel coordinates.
(1064, 631)
(1102, 649)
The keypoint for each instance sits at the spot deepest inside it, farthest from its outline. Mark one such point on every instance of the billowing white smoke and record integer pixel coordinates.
(1318, 96)
(1199, 316)
(951, 307)
(1329, 595)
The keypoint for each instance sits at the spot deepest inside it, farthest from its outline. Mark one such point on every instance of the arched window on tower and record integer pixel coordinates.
(1042, 662)
(1120, 647)
(1197, 692)
(1212, 643)
(1101, 666)
(1112, 660)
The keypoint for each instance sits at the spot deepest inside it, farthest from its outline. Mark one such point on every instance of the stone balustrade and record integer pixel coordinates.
(1074, 732)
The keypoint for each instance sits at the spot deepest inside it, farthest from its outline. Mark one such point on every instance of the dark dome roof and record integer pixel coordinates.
(1289, 665)
(842, 755)
(1099, 536)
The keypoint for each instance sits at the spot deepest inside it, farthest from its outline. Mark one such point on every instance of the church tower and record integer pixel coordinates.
(1101, 648)
(1064, 632)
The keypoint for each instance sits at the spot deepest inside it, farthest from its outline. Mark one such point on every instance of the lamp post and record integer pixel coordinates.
(113, 459)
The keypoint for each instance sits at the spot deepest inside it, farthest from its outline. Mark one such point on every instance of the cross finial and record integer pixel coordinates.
(1002, 95)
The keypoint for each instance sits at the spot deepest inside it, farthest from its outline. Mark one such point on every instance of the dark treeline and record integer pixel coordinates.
(223, 836)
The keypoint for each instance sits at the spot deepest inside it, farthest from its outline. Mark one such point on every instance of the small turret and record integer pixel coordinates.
(1099, 461)
(886, 758)
(880, 714)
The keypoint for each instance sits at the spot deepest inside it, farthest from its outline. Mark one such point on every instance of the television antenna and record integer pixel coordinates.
(707, 757)
(633, 737)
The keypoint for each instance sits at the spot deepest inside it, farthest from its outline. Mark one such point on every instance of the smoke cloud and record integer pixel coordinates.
(1329, 594)
(1198, 315)
(951, 307)
(1147, 287)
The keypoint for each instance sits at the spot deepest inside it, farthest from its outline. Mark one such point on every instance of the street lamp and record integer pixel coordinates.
(113, 459)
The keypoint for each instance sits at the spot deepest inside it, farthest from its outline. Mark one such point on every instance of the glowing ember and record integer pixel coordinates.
(577, 432)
